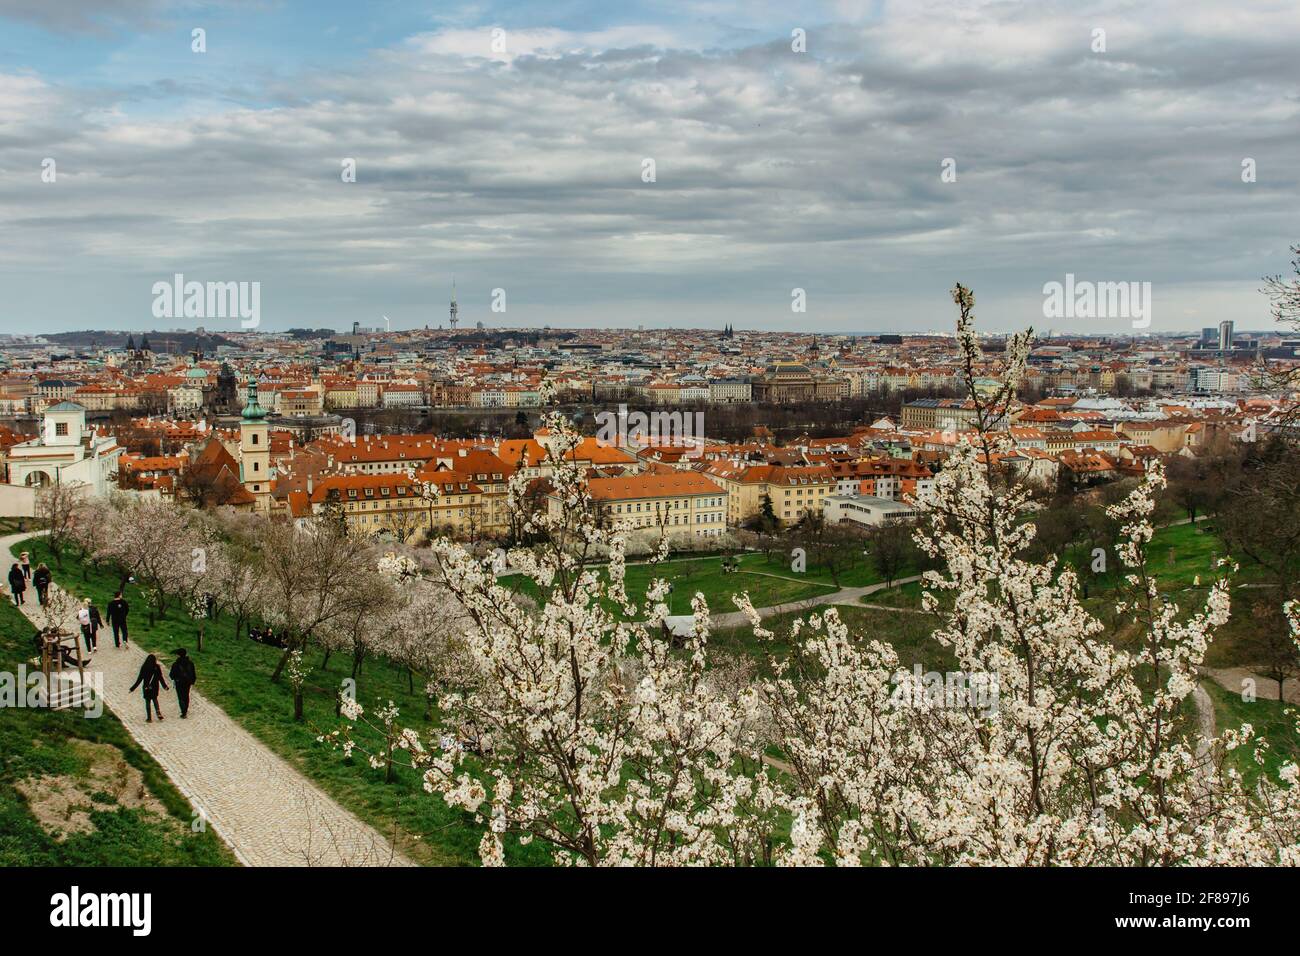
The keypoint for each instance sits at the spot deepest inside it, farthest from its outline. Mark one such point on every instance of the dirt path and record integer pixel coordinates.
(850, 596)
(267, 812)
(1232, 679)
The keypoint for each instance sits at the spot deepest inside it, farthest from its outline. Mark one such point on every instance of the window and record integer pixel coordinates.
(257, 466)
(60, 428)
(255, 437)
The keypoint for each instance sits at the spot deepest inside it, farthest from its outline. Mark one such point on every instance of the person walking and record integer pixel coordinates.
(17, 584)
(117, 612)
(149, 681)
(96, 622)
(26, 560)
(183, 678)
(87, 630)
(41, 578)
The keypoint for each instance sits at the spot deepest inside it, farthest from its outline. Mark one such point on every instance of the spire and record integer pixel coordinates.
(253, 412)
(455, 310)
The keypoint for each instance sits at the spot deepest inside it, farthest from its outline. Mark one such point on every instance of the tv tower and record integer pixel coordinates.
(455, 311)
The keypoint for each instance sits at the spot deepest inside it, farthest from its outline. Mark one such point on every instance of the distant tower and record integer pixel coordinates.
(1225, 335)
(455, 310)
(255, 451)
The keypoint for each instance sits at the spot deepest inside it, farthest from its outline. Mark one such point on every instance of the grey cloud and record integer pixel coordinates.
(84, 16)
(773, 171)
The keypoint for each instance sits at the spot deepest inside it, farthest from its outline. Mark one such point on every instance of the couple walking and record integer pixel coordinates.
(151, 680)
(89, 618)
(21, 572)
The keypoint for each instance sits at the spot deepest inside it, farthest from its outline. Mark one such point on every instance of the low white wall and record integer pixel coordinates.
(17, 501)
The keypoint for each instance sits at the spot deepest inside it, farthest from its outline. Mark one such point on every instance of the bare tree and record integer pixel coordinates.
(312, 581)
(57, 506)
(159, 545)
(891, 546)
(1268, 646)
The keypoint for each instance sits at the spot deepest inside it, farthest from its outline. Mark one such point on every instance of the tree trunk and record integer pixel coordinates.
(279, 667)
(297, 704)
(200, 637)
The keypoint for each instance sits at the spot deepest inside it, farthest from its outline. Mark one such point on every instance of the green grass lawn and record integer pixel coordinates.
(12, 525)
(234, 672)
(901, 595)
(79, 791)
(1177, 555)
(859, 570)
(909, 634)
(690, 575)
(1270, 721)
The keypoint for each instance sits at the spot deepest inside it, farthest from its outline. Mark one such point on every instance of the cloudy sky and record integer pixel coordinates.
(506, 142)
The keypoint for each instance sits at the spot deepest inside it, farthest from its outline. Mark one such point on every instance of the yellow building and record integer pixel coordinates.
(446, 503)
(255, 451)
(794, 490)
(679, 503)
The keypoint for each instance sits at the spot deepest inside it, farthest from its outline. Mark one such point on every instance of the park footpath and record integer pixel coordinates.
(850, 596)
(267, 812)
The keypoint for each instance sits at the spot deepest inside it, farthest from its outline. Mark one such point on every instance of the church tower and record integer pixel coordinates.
(255, 451)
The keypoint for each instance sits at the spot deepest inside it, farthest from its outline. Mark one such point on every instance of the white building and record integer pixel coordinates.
(184, 399)
(730, 390)
(67, 451)
(866, 509)
(403, 396)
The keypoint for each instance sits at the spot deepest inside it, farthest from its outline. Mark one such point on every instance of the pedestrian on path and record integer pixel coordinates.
(183, 678)
(150, 679)
(17, 584)
(41, 579)
(26, 560)
(117, 612)
(90, 621)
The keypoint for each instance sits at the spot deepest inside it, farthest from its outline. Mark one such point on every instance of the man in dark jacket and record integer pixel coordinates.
(17, 583)
(183, 677)
(117, 612)
(41, 579)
